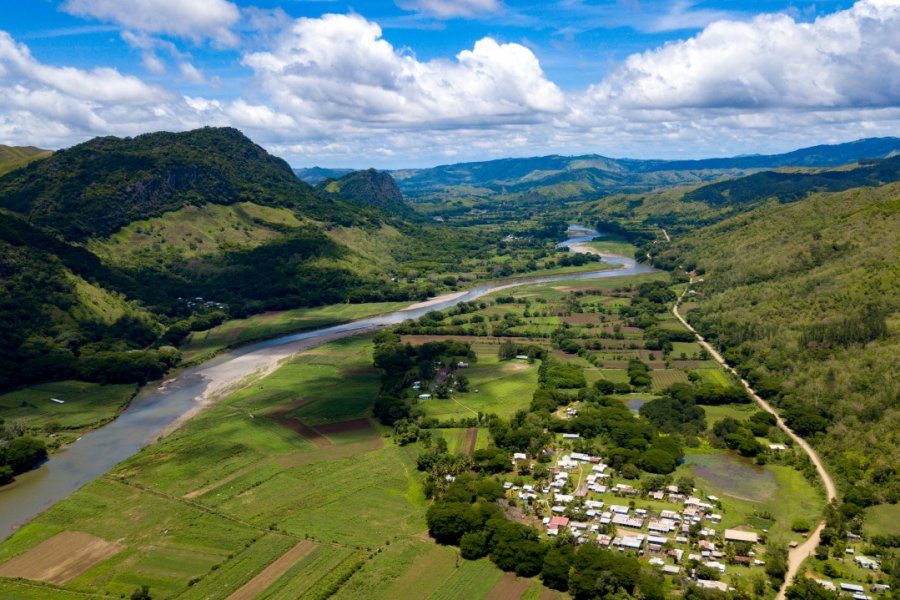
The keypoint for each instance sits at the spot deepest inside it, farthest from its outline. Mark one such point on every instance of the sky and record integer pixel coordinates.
(413, 83)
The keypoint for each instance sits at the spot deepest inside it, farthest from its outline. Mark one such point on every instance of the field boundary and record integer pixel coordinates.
(273, 571)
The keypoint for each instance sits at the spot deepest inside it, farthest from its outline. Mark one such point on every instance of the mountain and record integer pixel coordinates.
(95, 188)
(315, 175)
(804, 298)
(369, 189)
(14, 157)
(686, 209)
(115, 247)
(578, 177)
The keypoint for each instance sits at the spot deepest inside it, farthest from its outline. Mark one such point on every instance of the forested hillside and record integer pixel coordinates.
(115, 248)
(804, 298)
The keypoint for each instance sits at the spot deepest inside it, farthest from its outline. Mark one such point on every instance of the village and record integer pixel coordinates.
(676, 529)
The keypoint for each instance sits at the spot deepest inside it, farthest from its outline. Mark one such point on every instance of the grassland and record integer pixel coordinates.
(86, 406)
(883, 519)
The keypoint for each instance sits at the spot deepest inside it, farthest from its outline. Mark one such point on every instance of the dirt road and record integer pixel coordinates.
(798, 554)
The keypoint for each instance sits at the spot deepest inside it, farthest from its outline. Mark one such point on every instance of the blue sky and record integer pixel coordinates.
(421, 82)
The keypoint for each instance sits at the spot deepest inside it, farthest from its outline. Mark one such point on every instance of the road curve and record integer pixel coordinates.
(797, 555)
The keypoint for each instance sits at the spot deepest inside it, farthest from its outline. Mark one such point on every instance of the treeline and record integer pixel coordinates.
(18, 452)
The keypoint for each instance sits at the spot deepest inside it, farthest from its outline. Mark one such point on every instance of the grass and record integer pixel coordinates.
(87, 405)
(201, 345)
(502, 388)
(473, 580)
(715, 375)
(411, 569)
(612, 244)
(883, 519)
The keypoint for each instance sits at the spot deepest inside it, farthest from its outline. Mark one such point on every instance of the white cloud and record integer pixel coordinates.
(338, 68)
(189, 19)
(190, 73)
(448, 9)
(847, 59)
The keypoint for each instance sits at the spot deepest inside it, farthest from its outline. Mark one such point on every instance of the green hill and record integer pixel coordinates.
(95, 188)
(14, 157)
(116, 247)
(804, 298)
(369, 189)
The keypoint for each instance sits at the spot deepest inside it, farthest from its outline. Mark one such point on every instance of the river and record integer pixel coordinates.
(158, 407)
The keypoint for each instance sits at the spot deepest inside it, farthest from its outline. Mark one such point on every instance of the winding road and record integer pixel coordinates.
(797, 555)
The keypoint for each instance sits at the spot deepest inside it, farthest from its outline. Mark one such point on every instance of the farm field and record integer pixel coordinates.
(291, 488)
(200, 345)
(86, 406)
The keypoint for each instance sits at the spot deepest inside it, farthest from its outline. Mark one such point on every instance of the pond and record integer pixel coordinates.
(734, 476)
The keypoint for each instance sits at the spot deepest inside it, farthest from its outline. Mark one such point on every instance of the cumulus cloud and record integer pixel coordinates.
(847, 59)
(189, 19)
(338, 67)
(447, 9)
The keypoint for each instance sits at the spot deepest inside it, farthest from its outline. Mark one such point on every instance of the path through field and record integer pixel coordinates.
(798, 554)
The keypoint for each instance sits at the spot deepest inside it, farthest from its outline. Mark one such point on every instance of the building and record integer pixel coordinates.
(736, 535)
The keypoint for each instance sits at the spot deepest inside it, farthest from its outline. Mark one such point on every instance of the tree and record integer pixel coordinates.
(776, 562)
(473, 545)
(804, 588)
(141, 593)
(557, 564)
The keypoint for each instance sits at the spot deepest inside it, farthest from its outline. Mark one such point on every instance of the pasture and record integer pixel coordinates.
(86, 406)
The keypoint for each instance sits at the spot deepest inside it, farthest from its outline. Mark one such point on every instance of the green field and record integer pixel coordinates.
(203, 344)
(716, 375)
(883, 519)
(86, 405)
(611, 244)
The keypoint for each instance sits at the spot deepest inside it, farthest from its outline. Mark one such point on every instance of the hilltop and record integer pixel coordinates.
(367, 189)
(15, 157)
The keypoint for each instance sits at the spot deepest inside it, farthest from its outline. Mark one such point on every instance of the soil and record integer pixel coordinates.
(62, 558)
(297, 426)
(470, 441)
(270, 574)
(346, 426)
(509, 587)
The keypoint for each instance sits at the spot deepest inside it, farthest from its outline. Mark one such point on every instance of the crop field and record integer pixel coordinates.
(202, 344)
(86, 405)
(717, 376)
(663, 378)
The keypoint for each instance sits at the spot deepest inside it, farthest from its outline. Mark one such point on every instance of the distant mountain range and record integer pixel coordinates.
(577, 177)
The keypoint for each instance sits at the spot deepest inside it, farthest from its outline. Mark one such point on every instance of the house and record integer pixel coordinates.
(865, 562)
(520, 456)
(557, 522)
(736, 535)
(571, 436)
(852, 587)
(777, 447)
(708, 584)
(462, 365)
(671, 570)
(424, 396)
(622, 510)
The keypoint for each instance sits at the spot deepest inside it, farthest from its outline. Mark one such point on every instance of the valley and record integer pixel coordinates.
(249, 386)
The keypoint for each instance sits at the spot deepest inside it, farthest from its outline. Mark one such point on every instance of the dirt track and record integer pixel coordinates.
(470, 440)
(798, 554)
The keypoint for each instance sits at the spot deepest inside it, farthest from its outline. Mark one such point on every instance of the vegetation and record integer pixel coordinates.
(801, 299)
